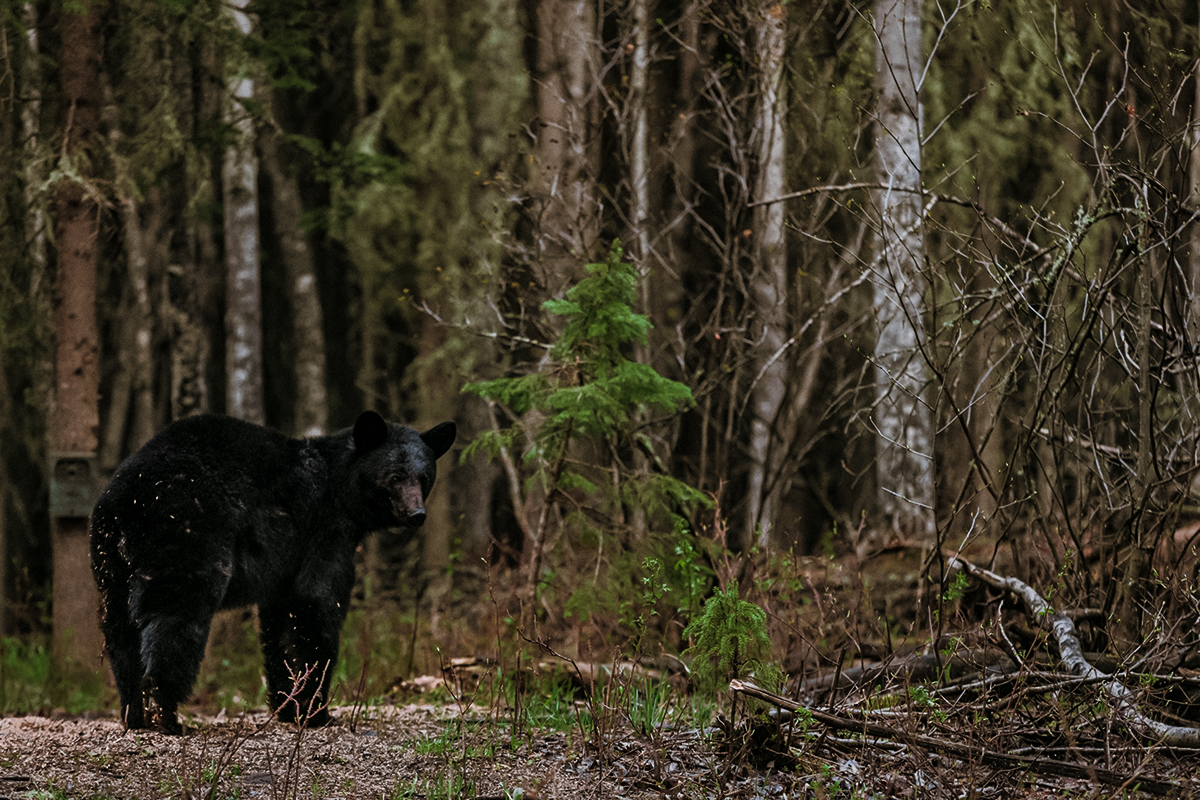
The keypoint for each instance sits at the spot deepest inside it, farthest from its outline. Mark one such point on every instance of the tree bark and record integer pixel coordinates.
(1193, 324)
(311, 406)
(141, 242)
(194, 287)
(639, 156)
(903, 416)
(667, 297)
(75, 420)
(768, 281)
(243, 282)
(35, 235)
(35, 220)
(567, 218)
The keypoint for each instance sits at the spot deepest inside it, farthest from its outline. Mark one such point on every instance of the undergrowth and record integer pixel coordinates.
(31, 682)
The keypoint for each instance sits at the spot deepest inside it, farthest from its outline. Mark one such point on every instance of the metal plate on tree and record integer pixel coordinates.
(74, 484)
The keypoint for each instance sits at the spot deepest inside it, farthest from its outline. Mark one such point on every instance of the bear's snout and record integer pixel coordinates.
(408, 504)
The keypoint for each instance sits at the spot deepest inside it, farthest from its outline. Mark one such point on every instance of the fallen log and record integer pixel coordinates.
(1060, 626)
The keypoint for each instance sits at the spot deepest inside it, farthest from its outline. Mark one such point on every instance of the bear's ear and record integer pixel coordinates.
(370, 431)
(440, 437)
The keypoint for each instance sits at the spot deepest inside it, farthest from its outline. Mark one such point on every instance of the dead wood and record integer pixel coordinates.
(964, 752)
(915, 667)
(1060, 626)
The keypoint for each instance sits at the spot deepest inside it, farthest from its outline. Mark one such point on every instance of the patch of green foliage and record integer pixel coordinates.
(31, 683)
(731, 641)
(591, 388)
(591, 393)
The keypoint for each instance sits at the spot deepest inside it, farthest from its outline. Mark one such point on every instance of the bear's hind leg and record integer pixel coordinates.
(124, 646)
(172, 649)
(174, 612)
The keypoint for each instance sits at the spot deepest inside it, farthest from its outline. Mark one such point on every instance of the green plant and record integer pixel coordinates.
(31, 682)
(730, 641)
(25, 675)
(589, 390)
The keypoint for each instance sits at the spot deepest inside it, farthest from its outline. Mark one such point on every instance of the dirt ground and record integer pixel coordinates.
(391, 752)
(427, 752)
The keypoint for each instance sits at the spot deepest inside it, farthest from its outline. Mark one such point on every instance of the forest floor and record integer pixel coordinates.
(405, 752)
(891, 707)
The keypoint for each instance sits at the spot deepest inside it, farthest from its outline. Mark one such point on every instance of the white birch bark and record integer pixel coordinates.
(639, 177)
(903, 417)
(768, 285)
(243, 288)
(138, 247)
(639, 161)
(1059, 626)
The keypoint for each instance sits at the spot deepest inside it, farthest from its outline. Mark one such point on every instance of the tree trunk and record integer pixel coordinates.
(311, 407)
(903, 417)
(639, 212)
(35, 220)
(141, 244)
(667, 297)
(1134, 542)
(35, 235)
(639, 150)
(75, 419)
(194, 287)
(567, 218)
(768, 281)
(243, 285)
(1193, 324)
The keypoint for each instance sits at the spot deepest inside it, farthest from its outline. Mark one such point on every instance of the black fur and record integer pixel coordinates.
(218, 513)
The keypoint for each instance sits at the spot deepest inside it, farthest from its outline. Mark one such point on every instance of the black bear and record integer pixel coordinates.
(214, 513)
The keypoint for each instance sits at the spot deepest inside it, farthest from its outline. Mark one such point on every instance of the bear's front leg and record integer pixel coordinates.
(300, 648)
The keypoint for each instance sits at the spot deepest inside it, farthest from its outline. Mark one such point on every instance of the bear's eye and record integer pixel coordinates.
(394, 479)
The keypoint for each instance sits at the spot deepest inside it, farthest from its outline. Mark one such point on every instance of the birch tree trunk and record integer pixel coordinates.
(768, 282)
(639, 155)
(639, 178)
(903, 416)
(35, 219)
(75, 419)
(243, 285)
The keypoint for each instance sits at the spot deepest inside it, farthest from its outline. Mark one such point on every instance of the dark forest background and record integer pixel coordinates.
(918, 274)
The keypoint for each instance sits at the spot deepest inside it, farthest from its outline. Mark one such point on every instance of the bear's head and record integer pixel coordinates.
(396, 467)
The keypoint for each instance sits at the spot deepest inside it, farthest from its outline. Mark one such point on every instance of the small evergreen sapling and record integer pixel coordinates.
(589, 389)
(731, 641)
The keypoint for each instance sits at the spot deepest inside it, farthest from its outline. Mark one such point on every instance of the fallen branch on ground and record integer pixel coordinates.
(1060, 626)
(964, 752)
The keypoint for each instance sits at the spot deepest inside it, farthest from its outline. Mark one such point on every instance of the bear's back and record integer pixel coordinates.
(208, 477)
